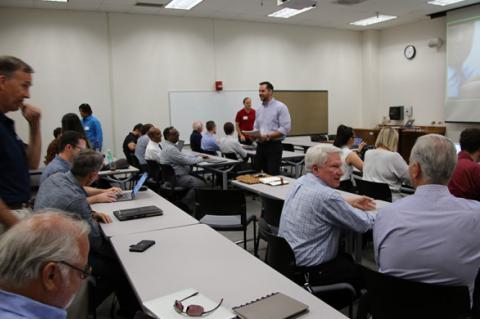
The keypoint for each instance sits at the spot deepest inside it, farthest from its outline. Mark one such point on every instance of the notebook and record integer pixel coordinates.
(162, 307)
(274, 306)
(273, 181)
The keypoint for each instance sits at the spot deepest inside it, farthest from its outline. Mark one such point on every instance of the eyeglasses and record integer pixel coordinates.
(193, 310)
(84, 273)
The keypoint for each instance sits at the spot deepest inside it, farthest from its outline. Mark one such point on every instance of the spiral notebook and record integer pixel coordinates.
(273, 306)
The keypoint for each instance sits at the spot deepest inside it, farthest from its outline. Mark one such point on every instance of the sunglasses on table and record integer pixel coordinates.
(193, 310)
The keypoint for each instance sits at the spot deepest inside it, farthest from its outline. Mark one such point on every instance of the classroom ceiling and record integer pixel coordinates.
(328, 13)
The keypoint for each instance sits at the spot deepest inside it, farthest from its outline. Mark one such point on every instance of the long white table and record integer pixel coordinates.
(294, 159)
(223, 166)
(303, 141)
(172, 215)
(354, 242)
(198, 257)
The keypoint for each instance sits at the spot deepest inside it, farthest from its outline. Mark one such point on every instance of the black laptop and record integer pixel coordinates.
(137, 212)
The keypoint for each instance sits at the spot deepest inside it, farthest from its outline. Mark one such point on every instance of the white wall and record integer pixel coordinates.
(419, 82)
(125, 65)
(69, 53)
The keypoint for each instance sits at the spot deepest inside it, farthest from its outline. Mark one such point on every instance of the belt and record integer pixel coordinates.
(14, 206)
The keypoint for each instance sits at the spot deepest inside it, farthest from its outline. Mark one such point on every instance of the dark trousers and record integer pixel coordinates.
(269, 157)
(338, 270)
(110, 277)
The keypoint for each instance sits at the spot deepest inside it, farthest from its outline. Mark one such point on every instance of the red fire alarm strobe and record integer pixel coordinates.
(218, 85)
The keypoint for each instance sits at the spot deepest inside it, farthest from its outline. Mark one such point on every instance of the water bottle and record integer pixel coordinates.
(111, 162)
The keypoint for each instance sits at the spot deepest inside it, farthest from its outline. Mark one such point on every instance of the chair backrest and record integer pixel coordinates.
(391, 297)
(168, 174)
(374, 190)
(232, 156)
(347, 186)
(220, 202)
(153, 169)
(288, 147)
(280, 255)
(272, 210)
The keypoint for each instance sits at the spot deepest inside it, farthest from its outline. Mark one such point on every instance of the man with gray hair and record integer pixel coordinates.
(43, 263)
(430, 236)
(66, 191)
(314, 215)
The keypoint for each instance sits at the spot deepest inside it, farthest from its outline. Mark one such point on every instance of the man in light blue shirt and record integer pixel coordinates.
(209, 143)
(273, 123)
(92, 127)
(315, 214)
(43, 263)
(182, 165)
(430, 236)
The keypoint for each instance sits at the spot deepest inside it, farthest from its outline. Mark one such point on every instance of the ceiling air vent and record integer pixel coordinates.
(348, 2)
(149, 5)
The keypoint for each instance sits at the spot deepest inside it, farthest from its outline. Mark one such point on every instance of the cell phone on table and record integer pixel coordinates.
(141, 246)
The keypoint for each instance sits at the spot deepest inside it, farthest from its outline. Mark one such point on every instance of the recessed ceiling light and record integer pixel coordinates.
(182, 4)
(55, 0)
(288, 12)
(372, 20)
(444, 2)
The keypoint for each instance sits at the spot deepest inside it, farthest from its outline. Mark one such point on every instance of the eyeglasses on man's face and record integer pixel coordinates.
(84, 273)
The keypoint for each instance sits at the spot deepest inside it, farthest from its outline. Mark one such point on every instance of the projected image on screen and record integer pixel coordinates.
(463, 59)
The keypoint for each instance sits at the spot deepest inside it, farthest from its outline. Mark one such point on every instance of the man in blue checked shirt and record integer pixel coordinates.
(92, 126)
(315, 214)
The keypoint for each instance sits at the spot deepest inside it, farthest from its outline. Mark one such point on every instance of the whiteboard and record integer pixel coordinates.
(189, 106)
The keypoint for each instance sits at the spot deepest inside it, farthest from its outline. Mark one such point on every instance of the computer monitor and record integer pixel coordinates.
(396, 113)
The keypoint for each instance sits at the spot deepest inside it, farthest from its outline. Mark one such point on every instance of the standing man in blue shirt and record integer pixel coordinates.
(273, 121)
(16, 158)
(92, 127)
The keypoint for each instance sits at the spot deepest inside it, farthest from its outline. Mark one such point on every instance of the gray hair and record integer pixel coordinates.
(11, 64)
(47, 236)
(197, 125)
(86, 162)
(318, 154)
(437, 157)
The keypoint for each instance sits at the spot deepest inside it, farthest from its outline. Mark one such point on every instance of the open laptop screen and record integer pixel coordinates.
(140, 183)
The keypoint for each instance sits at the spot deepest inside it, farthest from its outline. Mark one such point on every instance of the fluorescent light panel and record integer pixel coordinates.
(55, 0)
(182, 4)
(372, 20)
(444, 2)
(286, 13)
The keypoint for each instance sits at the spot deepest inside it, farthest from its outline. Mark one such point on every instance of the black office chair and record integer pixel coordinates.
(288, 147)
(347, 186)
(241, 168)
(169, 188)
(269, 221)
(224, 210)
(155, 181)
(390, 297)
(280, 256)
(375, 190)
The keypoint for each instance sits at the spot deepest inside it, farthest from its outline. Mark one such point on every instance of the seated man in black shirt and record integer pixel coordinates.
(196, 137)
(130, 143)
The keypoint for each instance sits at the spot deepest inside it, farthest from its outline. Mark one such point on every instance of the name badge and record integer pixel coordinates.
(245, 118)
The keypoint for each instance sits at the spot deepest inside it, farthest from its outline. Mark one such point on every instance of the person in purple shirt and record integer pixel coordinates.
(273, 123)
(43, 263)
(430, 236)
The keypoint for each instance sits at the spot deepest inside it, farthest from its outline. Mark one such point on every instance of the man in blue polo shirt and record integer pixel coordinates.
(16, 158)
(92, 126)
